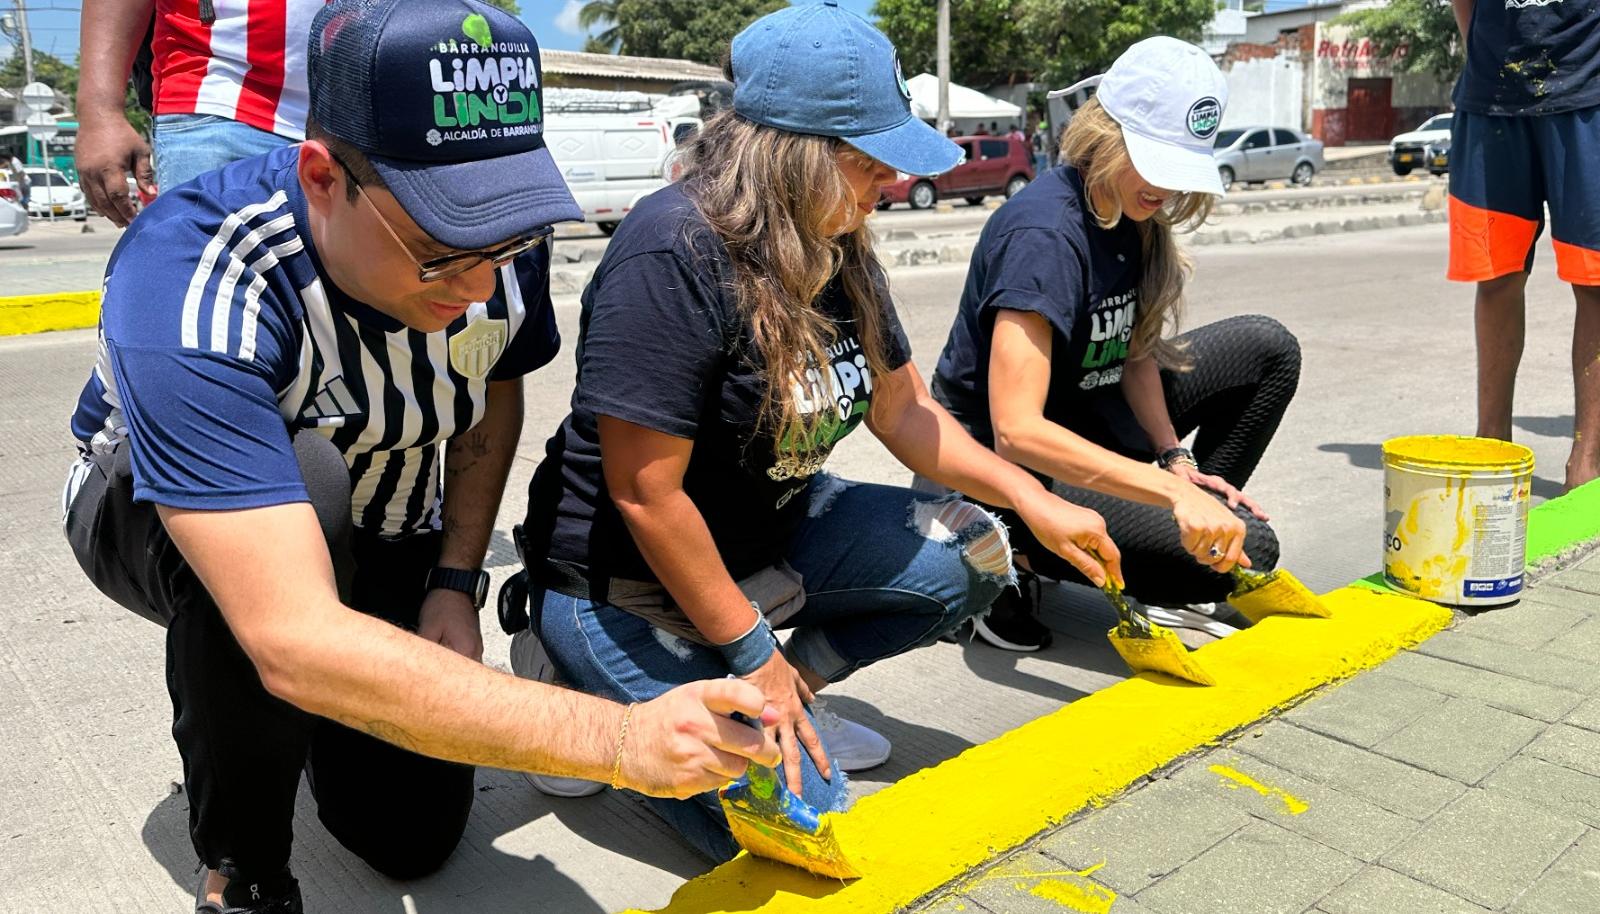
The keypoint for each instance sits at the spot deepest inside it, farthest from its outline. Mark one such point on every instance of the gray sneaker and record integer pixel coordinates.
(852, 746)
(1219, 620)
(529, 660)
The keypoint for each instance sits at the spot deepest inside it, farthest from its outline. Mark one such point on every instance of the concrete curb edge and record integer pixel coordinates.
(926, 831)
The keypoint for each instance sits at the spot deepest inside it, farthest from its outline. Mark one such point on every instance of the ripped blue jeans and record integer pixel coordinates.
(885, 569)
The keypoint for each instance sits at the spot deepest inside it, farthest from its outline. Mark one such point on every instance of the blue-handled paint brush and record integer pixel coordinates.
(769, 821)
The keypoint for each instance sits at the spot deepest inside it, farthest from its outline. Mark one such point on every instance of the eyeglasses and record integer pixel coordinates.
(437, 268)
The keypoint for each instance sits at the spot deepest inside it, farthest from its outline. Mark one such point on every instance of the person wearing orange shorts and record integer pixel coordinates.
(1526, 129)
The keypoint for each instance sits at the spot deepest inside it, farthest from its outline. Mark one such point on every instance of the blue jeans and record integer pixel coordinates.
(189, 145)
(885, 569)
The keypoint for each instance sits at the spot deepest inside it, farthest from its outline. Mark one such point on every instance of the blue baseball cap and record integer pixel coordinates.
(444, 98)
(822, 70)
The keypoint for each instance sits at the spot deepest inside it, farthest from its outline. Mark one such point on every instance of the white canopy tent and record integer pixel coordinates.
(965, 104)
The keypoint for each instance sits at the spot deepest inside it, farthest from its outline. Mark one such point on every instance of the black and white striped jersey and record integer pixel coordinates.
(220, 335)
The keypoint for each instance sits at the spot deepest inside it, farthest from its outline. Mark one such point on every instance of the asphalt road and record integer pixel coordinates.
(89, 817)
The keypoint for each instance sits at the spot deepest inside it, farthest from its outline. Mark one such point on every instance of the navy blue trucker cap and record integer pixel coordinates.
(443, 96)
(821, 70)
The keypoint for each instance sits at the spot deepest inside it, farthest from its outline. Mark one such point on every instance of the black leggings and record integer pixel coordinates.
(243, 749)
(1245, 370)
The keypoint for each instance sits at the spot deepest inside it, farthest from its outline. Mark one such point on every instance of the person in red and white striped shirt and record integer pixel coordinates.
(229, 83)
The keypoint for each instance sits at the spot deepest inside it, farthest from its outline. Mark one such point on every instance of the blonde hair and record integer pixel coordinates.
(771, 196)
(1092, 142)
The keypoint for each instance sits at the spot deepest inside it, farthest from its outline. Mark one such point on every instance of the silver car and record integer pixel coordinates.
(1253, 154)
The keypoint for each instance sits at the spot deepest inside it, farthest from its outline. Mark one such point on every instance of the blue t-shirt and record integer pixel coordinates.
(662, 345)
(1043, 252)
(220, 333)
(1530, 57)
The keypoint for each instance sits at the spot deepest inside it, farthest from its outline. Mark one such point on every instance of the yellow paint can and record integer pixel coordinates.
(1456, 518)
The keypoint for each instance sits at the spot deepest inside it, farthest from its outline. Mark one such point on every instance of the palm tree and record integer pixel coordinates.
(601, 12)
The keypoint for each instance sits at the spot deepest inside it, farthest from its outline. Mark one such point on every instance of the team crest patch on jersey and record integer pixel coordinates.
(474, 350)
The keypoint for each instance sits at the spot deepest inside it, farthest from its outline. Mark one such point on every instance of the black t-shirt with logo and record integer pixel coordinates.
(1530, 57)
(662, 345)
(1043, 252)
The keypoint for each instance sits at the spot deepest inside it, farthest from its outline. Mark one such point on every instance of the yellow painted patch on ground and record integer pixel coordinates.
(1075, 892)
(1074, 896)
(931, 827)
(1234, 779)
(21, 314)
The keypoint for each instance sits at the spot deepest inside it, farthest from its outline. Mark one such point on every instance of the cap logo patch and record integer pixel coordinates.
(482, 89)
(900, 78)
(477, 28)
(1204, 117)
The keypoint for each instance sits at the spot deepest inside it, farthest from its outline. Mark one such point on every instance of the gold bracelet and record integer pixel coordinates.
(622, 739)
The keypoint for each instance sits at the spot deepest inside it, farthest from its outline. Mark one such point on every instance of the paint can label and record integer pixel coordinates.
(1504, 587)
(1456, 539)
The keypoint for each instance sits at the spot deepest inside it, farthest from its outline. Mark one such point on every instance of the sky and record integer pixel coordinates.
(555, 22)
(54, 23)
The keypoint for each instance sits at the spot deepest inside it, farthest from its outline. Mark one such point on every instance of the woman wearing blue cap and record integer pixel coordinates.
(1057, 355)
(736, 330)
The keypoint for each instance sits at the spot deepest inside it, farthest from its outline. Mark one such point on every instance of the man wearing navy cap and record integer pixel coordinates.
(294, 442)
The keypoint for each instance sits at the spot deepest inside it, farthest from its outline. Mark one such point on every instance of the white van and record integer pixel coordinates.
(611, 156)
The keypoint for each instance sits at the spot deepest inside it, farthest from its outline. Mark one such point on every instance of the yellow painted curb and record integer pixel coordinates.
(930, 828)
(21, 314)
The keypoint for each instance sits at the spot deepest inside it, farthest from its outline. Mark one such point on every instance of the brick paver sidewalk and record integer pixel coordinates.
(1462, 777)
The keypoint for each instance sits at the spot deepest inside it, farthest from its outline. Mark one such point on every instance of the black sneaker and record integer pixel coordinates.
(1013, 621)
(278, 894)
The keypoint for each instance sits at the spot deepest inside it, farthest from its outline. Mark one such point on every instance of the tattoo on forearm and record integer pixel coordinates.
(464, 453)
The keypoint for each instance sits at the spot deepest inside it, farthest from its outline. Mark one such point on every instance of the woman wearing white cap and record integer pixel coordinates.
(1057, 355)
(736, 330)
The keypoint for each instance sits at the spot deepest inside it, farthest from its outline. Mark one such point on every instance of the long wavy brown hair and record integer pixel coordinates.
(771, 196)
(1092, 142)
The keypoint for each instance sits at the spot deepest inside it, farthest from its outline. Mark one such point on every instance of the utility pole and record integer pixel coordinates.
(27, 42)
(943, 65)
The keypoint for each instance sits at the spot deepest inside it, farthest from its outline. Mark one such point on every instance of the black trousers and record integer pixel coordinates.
(1245, 371)
(243, 750)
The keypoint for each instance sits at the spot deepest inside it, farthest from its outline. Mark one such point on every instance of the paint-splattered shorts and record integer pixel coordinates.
(886, 570)
(1503, 172)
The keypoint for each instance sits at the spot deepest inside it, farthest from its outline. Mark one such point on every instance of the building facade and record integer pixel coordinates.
(1300, 68)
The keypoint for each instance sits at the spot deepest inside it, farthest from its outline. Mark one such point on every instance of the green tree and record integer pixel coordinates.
(600, 13)
(1426, 29)
(1055, 41)
(691, 29)
(1082, 37)
(987, 44)
(52, 71)
(509, 6)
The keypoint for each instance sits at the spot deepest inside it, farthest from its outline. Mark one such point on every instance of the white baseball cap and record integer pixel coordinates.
(1168, 97)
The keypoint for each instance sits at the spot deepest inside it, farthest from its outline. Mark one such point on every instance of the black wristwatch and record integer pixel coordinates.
(1175, 455)
(474, 584)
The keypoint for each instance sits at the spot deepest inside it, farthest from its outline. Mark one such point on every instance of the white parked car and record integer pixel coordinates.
(13, 218)
(1410, 150)
(611, 159)
(1253, 154)
(52, 193)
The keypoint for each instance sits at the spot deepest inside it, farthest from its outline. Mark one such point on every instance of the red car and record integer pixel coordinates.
(993, 165)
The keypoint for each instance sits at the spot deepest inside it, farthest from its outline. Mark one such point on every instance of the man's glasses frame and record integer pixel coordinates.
(437, 268)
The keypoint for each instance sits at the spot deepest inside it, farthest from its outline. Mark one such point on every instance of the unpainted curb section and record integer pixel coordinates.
(919, 835)
(76, 310)
(1322, 227)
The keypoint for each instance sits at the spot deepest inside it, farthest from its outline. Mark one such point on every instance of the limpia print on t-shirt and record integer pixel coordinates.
(1110, 330)
(847, 389)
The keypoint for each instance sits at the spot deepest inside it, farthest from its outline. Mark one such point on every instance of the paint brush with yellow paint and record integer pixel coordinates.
(1259, 594)
(1148, 648)
(769, 821)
